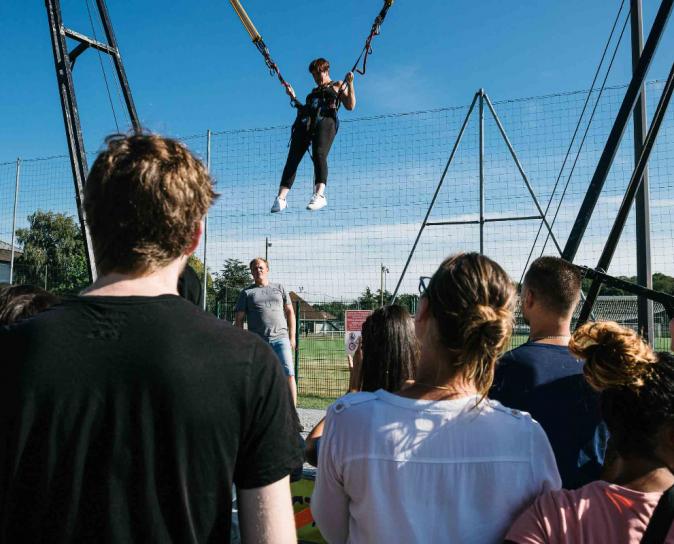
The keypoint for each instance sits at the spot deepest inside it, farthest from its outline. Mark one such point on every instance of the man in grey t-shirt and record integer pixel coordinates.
(269, 313)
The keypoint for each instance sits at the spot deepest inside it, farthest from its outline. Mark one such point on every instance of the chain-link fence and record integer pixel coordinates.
(383, 173)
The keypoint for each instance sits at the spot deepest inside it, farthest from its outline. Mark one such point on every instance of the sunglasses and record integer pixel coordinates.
(424, 282)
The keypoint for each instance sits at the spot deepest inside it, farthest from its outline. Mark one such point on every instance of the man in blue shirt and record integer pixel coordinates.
(543, 378)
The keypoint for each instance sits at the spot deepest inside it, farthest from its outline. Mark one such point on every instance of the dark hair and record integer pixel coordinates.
(472, 299)
(21, 301)
(319, 64)
(555, 282)
(636, 384)
(144, 199)
(390, 349)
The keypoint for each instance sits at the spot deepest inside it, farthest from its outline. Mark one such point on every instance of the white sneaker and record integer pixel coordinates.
(279, 205)
(317, 202)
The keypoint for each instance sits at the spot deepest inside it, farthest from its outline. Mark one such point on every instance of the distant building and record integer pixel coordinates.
(5, 260)
(313, 320)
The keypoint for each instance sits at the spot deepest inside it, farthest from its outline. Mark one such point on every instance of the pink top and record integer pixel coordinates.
(597, 512)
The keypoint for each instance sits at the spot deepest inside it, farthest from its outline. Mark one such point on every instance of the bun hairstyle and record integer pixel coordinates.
(636, 384)
(472, 299)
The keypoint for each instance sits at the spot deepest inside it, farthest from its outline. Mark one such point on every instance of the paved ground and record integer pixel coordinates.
(309, 417)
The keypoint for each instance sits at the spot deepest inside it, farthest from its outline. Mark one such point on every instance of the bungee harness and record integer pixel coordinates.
(274, 69)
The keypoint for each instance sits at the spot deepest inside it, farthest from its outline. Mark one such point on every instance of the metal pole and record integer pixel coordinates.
(615, 136)
(266, 248)
(642, 206)
(435, 196)
(16, 200)
(208, 167)
(297, 342)
(381, 285)
(628, 199)
(71, 120)
(521, 171)
(481, 136)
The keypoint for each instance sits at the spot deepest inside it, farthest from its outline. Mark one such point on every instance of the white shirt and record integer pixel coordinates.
(393, 469)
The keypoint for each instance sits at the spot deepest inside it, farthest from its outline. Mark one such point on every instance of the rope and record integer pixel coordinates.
(575, 133)
(100, 60)
(367, 48)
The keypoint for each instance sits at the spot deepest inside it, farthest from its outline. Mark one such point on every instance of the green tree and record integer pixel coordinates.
(52, 253)
(198, 267)
(228, 283)
(368, 300)
(408, 301)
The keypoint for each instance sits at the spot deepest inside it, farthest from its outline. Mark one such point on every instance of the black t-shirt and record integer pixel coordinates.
(128, 419)
(547, 381)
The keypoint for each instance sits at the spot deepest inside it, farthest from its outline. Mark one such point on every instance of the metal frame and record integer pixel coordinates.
(64, 61)
(615, 136)
(645, 321)
(481, 98)
(628, 200)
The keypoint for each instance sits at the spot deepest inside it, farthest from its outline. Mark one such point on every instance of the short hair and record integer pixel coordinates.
(258, 260)
(319, 65)
(556, 282)
(18, 302)
(636, 384)
(144, 199)
(472, 300)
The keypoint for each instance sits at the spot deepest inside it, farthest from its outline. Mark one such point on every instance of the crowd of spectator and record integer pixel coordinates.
(128, 414)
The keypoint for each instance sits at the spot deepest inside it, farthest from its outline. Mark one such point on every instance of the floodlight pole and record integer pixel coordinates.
(64, 62)
(208, 167)
(642, 205)
(16, 201)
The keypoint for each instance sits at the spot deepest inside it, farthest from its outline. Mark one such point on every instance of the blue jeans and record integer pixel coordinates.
(284, 352)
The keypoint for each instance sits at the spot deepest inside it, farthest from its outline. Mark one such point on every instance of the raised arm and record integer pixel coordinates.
(348, 96)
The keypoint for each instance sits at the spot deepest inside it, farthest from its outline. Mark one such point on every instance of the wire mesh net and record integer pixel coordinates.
(384, 171)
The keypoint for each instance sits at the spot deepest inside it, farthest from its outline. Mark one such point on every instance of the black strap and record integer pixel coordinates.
(661, 520)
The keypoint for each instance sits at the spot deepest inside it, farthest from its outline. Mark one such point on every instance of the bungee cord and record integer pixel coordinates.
(273, 67)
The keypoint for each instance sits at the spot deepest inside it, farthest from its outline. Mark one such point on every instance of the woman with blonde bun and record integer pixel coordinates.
(637, 402)
(436, 461)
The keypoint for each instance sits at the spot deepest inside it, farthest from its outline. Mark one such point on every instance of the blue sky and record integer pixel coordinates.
(191, 65)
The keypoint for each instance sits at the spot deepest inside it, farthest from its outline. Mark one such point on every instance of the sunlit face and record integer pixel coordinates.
(259, 270)
(321, 78)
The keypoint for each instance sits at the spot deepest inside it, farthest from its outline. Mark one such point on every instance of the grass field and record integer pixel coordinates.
(324, 375)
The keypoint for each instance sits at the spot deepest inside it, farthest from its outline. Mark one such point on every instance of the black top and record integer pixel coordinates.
(323, 101)
(547, 381)
(128, 419)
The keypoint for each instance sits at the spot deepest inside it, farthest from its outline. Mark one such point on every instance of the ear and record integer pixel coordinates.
(528, 298)
(194, 243)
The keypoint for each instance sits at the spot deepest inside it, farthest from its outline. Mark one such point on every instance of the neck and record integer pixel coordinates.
(642, 475)
(163, 281)
(435, 380)
(262, 283)
(550, 331)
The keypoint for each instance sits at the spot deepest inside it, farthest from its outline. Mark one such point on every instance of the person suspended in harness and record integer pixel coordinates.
(316, 125)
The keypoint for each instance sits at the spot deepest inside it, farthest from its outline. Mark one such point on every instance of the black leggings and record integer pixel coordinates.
(320, 139)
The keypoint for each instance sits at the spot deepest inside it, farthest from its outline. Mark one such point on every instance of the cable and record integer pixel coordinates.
(587, 129)
(575, 133)
(100, 60)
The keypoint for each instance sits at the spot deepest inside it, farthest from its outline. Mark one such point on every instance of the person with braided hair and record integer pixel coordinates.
(636, 387)
(436, 461)
(316, 126)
